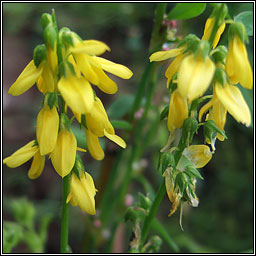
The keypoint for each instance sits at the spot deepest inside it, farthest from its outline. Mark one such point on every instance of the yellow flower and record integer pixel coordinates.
(77, 93)
(64, 154)
(47, 82)
(199, 155)
(232, 99)
(47, 129)
(93, 145)
(23, 155)
(217, 113)
(164, 55)
(93, 67)
(26, 79)
(208, 31)
(178, 111)
(238, 66)
(97, 119)
(37, 166)
(174, 66)
(194, 76)
(82, 192)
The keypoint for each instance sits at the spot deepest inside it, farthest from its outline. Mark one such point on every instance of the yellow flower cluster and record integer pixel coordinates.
(194, 68)
(72, 78)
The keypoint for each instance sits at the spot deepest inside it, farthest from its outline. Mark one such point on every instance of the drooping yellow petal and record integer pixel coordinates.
(47, 129)
(199, 155)
(114, 68)
(37, 166)
(173, 68)
(105, 83)
(91, 47)
(64, 154)
(82, 192)
(195, 76)
(85, 67)
(208, 31)
(41, 86)
(237, 64)
(232, 99)
(164, 55)
(204, 109)
(115, 138)
(93, 145)
(26, 79)
(77, 93)
(178, 111)
(22, 155)
(97, 120)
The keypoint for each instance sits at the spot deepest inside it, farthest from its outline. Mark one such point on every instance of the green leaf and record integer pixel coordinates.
(184, 11)
(121, 124)
(247, 19)
(120, 106)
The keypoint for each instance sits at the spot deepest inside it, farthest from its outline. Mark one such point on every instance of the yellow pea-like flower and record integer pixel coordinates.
(82, 192)
(178, 111)
(217, 113)
(28, 77)
(97, 119)
(194, 76)
(238, 66)
(208, 31)
(22, 155)
(93, 67)
(232, 99)
(47, 129)
(93, 145)
(199, 155)
(165, 55)
(37, 166)
(115, 138)
(77, 93)
(64, 154)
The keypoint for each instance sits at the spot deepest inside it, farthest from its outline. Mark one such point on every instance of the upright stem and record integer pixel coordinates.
(64, 216)
(153, 210)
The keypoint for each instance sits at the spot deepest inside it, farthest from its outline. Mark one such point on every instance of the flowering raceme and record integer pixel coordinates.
(68, 69)
(200, 66)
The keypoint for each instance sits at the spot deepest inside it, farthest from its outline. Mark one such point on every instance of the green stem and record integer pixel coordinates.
(64, 216)
(152, 212)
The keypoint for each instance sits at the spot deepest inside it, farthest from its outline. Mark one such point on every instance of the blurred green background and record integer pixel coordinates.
(223, 222)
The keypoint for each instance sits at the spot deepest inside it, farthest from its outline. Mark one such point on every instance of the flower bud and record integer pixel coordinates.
(39, 54)
(189, 128)
(45, 20)
(166, 160)
(50, 35)
(144, 201)
(66, 37)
